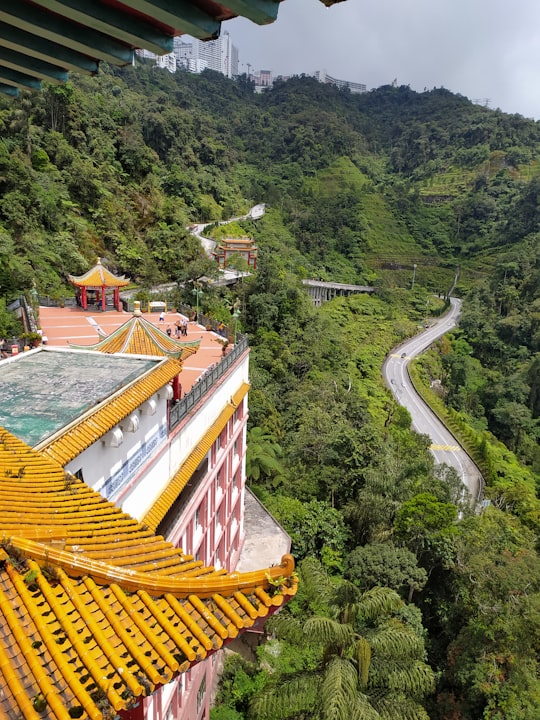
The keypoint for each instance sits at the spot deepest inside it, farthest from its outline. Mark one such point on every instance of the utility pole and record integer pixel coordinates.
(413, 276)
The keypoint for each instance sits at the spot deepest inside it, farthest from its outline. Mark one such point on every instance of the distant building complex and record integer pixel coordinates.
(221, 55)
(354, 87)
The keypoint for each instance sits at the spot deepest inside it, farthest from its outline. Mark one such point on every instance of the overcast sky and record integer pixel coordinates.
(483, 49)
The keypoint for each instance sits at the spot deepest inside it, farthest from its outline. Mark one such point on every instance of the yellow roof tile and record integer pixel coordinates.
(95, 610)
(138, 336)
(98, 277)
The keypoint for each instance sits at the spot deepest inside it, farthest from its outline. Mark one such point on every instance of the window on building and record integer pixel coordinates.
(220, 519)
(200, 517)
(238, 446)
(201, 692)
(239, 412)
(221, 553)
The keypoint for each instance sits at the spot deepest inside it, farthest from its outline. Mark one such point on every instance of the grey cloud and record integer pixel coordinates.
(478, 48)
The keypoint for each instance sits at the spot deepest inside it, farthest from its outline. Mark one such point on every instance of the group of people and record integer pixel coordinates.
(180, 328)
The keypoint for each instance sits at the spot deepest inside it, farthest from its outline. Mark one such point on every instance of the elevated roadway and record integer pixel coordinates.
(444, 446)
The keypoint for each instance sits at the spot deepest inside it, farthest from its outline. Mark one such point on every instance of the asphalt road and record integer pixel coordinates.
(444, 445)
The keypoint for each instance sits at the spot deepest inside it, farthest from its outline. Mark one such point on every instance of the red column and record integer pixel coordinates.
(84, 298)
(103, 299)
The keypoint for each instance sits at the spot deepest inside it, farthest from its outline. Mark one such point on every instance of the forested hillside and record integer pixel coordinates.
(412, 604)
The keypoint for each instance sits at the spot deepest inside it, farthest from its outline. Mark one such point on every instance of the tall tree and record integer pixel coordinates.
(369, 661)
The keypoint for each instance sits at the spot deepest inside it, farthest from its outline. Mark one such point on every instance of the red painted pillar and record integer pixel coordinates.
(84, 298)
(103, 298)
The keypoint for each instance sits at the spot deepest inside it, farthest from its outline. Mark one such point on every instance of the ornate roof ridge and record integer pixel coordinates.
(97, 611)
(99, 276)
(139, 336)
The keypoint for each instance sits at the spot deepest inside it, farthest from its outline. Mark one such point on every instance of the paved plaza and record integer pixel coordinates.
(62, 326)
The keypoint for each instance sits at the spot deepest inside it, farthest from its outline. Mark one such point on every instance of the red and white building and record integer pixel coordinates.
(163, 477)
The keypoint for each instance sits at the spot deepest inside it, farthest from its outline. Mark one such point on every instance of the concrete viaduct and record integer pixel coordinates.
(321, 292)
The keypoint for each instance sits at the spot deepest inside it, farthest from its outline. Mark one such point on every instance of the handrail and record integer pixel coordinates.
(205, 382)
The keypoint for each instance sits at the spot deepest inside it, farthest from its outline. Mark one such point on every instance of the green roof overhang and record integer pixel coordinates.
(46, 39)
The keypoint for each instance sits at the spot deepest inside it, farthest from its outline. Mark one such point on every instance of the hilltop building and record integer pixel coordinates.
(323, 77)
(49, 43)
(123, 525)
(220, 55)
(195, 56)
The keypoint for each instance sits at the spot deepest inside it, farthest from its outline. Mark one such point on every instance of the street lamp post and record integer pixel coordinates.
(197, 292)
(413, 276)
(235, 316)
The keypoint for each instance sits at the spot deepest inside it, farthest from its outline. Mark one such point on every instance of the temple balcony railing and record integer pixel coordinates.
(207, 380)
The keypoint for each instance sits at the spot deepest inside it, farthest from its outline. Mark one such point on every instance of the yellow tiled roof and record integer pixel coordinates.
(158, 511)
(94, 424)
(138, 336)
(98, 277)
(95, 610)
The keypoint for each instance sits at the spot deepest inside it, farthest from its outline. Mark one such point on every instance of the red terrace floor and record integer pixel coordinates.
(64, 325)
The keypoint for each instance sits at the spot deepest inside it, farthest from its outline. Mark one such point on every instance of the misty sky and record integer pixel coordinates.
(483, 49)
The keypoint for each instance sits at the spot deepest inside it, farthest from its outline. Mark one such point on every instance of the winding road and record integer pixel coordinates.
(444, 445)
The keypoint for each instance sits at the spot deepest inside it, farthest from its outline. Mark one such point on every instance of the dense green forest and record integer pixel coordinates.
(413, 603)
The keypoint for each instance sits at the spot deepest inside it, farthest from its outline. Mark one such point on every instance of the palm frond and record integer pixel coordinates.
(397, 641)
(418, 679)
(378, 602)
(292, 697)
(363, 659)
(314, 578)
(286, 627)
(328, 631)
(339, 690)
(400, 708)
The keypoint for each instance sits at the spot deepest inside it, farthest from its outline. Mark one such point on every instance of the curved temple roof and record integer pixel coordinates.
(96, 610)
(98, 277)
(138, 336)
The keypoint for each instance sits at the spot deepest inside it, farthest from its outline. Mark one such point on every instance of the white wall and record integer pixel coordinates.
(107, 469)
(145, 493)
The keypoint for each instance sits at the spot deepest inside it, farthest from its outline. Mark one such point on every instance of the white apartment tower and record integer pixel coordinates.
(219, 55)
